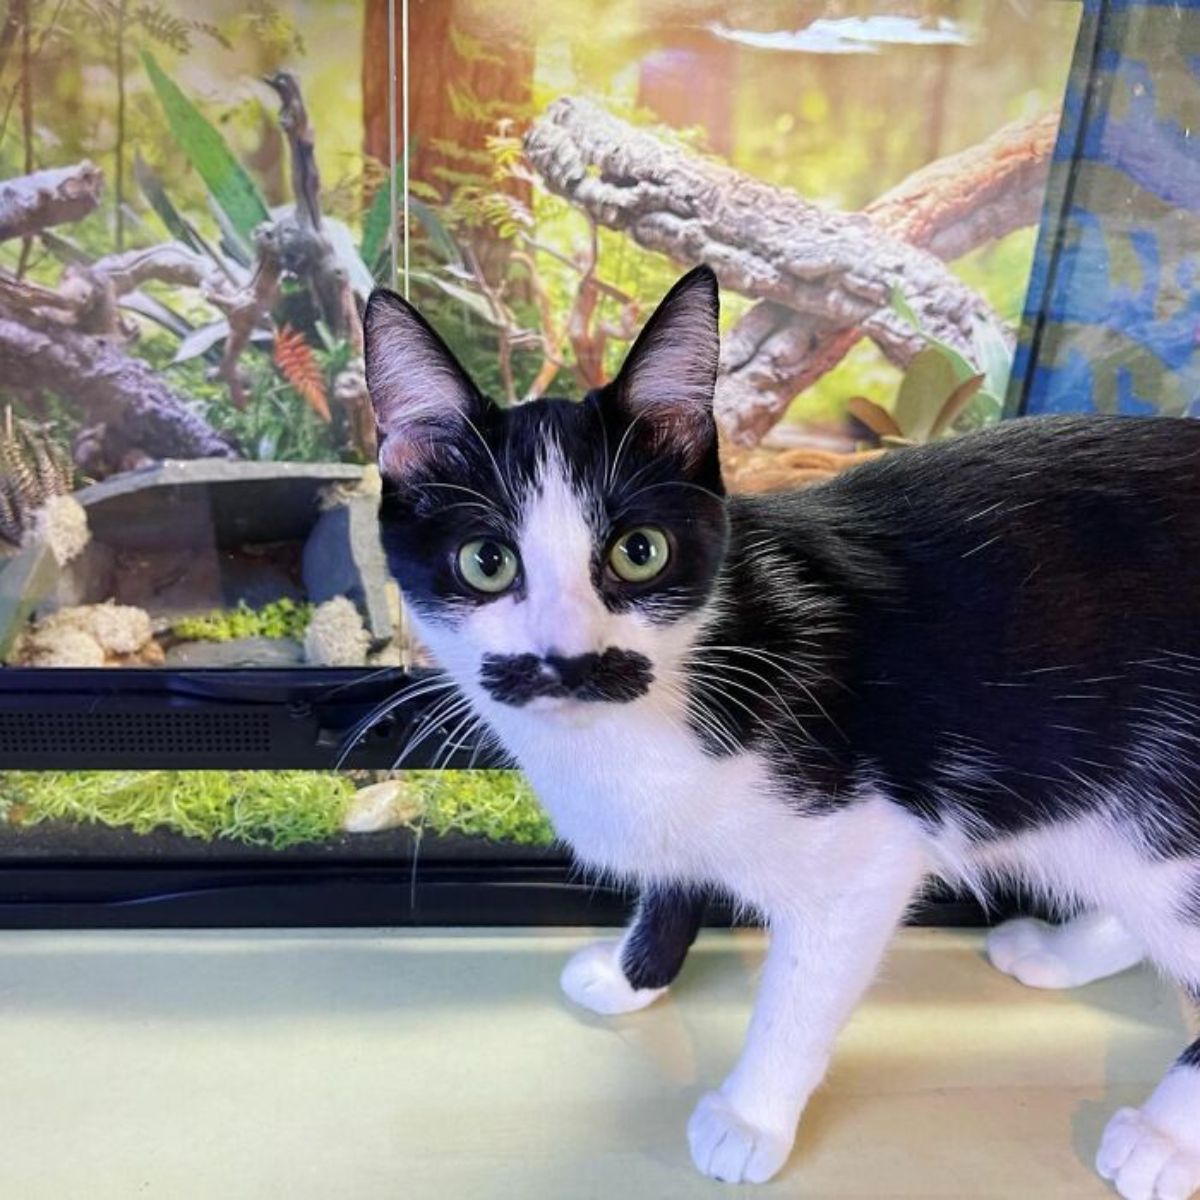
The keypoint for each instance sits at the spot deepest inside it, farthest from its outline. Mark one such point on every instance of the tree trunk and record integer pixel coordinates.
(480, 54)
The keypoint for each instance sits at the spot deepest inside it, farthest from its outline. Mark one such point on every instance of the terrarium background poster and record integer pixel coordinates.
(196, 200)
(867, 179)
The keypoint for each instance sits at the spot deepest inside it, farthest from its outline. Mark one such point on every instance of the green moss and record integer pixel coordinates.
(280, 619)
(261, 808)
(268, 808)
(497, 805)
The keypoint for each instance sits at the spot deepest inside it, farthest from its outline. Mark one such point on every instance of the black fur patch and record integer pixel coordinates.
(616, 676)
(1191, 1057)
(951, 627)
(666, 925)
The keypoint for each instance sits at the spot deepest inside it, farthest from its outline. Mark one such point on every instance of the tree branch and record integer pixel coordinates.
(949, 207)
(762, 241)
(824, 278)
(30, 203)
(125, 394)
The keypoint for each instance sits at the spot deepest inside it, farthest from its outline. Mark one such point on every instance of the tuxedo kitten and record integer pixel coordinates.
(977, 660)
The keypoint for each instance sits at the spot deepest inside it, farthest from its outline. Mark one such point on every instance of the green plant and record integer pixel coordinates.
(497, 805)
(280, 619)
(261, 808)
(941, 391)
(228, 182)
(269, 808)
(116, 21)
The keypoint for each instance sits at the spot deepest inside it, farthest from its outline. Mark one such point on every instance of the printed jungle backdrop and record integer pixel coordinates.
(197, 201)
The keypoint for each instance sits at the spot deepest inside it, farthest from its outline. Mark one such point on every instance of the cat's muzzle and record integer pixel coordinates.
(615, 676)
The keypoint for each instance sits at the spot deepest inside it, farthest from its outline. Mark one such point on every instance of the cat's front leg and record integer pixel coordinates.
(613, 977)
(824, 949)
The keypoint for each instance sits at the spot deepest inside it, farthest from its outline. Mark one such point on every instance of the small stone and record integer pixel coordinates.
(380, 806)
(119, 628)
(62, 647)
(336, 636)
(61, 523)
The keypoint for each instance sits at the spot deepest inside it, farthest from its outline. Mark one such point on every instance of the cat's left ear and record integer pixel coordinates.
(669, 377)
(423, 399)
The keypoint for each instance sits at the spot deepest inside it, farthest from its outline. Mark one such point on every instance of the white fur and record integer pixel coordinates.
(1093, 946)
(630, 787)
(593, 979)
(1153, 1153)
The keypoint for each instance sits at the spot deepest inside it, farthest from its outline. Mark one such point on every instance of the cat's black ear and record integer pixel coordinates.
(668, 378)
(421, 395)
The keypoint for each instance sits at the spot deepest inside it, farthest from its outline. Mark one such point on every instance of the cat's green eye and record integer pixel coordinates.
(487, 565)
(639, 555)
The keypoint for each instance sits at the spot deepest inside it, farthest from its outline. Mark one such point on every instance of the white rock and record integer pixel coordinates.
(380, 806)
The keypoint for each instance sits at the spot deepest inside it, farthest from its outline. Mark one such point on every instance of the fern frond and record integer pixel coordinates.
(296, 362)
(33, 468)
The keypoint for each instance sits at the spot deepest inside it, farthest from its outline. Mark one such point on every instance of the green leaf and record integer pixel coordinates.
(993, 355)
(471, 300)
(201, 341)
(233, 245)
(955, 405)
(930, 379)
(900, 306)
(437, 233)
(376, 223)
(156, 196)
(874, 416)
(208, 152)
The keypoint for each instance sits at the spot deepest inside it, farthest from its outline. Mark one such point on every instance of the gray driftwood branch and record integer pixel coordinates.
(31, 203)
(124, 394)
(830, 273)
(949, 207)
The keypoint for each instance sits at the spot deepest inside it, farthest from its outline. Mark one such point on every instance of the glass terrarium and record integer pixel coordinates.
(208, 669)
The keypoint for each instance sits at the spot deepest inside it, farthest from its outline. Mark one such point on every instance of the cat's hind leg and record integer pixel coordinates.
(1091, 946)
(612, 977)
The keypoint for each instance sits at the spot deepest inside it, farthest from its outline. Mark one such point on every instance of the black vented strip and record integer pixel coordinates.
(101, 719)
(136, 735)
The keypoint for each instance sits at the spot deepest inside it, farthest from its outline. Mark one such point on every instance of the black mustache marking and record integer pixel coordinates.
(616, 676)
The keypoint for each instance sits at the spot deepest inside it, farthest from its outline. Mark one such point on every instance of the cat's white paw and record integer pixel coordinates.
(1144, 1162)
(593, 979)
(1025, 950)
(727, 1147)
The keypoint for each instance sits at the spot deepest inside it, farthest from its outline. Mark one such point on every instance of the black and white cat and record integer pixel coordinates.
(978, 660)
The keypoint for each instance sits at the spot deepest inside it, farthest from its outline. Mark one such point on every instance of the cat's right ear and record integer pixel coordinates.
(423, 399)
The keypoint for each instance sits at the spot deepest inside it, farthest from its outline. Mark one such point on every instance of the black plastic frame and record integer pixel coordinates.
(304, 720)
(309, 718)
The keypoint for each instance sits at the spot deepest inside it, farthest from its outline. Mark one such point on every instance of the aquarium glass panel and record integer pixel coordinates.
(199, 196)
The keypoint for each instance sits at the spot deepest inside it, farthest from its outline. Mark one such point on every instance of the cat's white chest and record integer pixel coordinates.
(635, 795)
